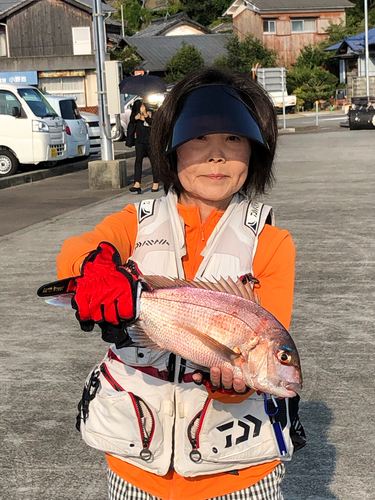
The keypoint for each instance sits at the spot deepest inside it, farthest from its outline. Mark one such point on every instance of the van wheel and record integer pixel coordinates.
(8, 163)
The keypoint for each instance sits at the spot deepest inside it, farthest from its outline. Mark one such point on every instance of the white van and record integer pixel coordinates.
(30, 130)
(76, 128)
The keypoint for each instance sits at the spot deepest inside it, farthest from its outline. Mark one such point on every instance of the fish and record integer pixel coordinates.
(212, 324)
(219, 324)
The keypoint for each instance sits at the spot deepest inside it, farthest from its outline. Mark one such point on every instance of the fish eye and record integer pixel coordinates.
(284, 357)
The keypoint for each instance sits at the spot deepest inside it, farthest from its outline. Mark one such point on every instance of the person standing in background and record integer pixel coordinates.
(142, 118)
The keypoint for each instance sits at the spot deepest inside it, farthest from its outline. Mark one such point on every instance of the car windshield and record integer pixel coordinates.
(128, 99)
(69, 110)
(37, 103)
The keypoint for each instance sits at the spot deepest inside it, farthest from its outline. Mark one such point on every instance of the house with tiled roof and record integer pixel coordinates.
(176, 25)
(286, 26)
(155, 51)
(50, 43)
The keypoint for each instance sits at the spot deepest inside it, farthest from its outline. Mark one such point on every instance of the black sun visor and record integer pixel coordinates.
(214, 109)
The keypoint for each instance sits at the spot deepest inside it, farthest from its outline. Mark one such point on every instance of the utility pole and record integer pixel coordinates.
(122, 21)
(100, 51)
(367, 51)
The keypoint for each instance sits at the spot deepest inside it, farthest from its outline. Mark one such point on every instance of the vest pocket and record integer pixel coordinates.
(226, 437)
(120, 422)
(237, 433)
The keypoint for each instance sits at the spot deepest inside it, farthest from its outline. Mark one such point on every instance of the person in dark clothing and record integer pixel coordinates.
(143, 121)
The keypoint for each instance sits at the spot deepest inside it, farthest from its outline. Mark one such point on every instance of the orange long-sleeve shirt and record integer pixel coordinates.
(273, 266)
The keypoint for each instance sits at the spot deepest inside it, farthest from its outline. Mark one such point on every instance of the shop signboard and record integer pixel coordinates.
(23, 77)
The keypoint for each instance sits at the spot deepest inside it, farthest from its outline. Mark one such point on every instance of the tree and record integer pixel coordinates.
(312, 56)
(356, 14)
(135, 15)
(242, 56)
(184, 61)
(311, 84)
(129, 58)
(205, 11)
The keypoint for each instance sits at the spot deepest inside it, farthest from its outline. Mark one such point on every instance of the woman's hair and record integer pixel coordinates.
(260, 175)
(136, 108)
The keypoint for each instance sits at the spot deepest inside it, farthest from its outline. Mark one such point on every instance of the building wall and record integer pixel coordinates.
(286, 43)
(46, 28)
(91, 88)
(248, 23)
(184, 30)
(356, 86)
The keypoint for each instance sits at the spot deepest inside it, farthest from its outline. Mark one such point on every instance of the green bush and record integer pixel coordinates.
(311, 84)
(242, 56)
(185, 61)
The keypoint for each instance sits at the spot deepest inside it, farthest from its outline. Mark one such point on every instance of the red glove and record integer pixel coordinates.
(106, 292)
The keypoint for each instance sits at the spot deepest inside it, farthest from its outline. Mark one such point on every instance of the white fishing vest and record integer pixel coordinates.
(157, 424)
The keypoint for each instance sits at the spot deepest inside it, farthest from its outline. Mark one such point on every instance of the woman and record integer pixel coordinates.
(213, 141)
(142, 119)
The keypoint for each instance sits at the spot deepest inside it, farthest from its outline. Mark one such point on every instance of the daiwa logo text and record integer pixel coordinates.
(243, 432)
(149, 243)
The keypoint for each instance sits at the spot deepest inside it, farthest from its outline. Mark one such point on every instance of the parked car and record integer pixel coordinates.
(92, 122)
(76, 128)
(30, 130)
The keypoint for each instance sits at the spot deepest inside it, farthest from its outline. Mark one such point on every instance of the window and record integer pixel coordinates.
(68, 86)
(8, 101)
(3, 41)
(81, 41)
(269, 26)
(69, 110)
(37, 103)
(303, 25)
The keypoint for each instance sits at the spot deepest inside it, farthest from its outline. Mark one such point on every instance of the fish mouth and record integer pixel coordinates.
(292, 388)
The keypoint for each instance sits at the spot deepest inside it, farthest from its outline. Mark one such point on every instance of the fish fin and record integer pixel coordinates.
(222, 350)
(223, 285)
(138, 336)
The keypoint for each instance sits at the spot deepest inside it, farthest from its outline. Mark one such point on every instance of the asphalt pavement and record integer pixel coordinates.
(324, 196)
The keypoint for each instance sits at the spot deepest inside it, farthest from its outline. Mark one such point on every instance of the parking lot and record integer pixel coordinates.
(325, 194)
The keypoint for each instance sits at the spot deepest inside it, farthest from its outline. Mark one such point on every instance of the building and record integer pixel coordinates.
(155, 51)
(351, 55)
(286, 26)
(176, 25)
(56, 49)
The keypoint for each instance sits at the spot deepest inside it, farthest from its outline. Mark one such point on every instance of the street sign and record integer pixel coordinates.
(272, 79)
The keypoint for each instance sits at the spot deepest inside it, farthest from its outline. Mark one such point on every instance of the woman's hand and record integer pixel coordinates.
(223, 379)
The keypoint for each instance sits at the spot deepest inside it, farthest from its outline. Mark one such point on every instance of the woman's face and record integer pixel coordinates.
(212, 168)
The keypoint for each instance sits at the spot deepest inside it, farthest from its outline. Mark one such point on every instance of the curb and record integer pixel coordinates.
(38, 175)
(288, 130)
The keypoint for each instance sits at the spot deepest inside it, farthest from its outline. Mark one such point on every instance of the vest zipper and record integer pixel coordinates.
(145, 417)
(194, 430)
(104, 370)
